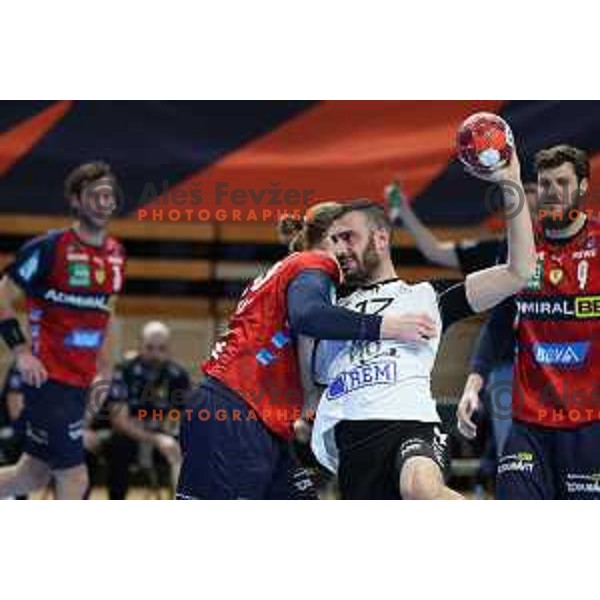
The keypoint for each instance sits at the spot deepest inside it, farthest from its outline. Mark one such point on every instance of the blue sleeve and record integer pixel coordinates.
(496, 341)
(32, 264)
(311, 312)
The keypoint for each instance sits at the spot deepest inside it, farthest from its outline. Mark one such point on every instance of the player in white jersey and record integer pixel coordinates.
(377, 425)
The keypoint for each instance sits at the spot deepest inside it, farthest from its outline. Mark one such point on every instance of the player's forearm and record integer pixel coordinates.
(124, 423)
(311, 312)
(474, 383)
(335, 323)
(521, 244)
(435, 251)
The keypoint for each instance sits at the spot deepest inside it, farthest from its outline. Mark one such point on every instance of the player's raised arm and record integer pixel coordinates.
(486, 288)
(31, 368)
(401, 213)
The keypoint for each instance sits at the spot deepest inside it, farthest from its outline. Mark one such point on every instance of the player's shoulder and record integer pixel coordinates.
(312, 259)
(394, 287)
(130, 359)
(441, 285)
(593, 227)
(45, 240)
(114, 247)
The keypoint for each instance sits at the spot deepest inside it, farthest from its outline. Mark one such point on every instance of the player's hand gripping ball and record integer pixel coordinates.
(485, 143)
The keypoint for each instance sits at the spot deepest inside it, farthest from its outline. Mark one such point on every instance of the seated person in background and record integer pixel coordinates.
(149, 381)
(11, 423)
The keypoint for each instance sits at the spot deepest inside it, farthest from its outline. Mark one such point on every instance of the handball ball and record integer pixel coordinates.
(485, 142)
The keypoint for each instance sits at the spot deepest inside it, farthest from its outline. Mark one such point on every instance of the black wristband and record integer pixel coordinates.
(11, 333)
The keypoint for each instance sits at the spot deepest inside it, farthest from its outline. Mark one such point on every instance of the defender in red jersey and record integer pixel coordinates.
(553, 450)
(240, 420)
(70, 279)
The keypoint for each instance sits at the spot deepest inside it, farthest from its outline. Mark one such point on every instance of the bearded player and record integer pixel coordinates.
(69, 278)
(235, 440)
(553, 449)
(377, 425)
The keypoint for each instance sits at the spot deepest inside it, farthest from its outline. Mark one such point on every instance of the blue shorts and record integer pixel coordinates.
(229, 454)
(53, 420)
(544, 464)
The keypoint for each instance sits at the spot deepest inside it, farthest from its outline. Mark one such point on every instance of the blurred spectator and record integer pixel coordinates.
(144, 389)
(11, 409)
(11, 424)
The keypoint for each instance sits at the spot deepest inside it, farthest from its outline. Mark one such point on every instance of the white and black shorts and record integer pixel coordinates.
(372, 454)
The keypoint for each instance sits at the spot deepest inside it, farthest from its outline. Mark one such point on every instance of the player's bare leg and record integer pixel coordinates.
(71, 484)
(27, 475)
(422, 479)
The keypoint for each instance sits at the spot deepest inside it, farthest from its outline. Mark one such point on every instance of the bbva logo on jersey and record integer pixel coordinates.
(377, 373)
(569, 354)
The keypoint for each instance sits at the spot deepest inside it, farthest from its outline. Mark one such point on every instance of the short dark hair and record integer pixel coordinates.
(85, 174)
(550, 158)
(376, 213)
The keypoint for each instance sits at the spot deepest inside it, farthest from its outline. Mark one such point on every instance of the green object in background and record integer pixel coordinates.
(394, 195)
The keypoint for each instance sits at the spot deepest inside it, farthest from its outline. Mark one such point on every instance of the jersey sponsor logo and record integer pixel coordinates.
(77, 257)
(30, 267)
(566, 354)
(84, 338)
(584, 254)
(265, 356)
(378, 373)
(547, 308)
(75, 430)
(79, 274)
(559, 307)
(522, 462)
(95, 302)
(535, 283)
(587, 307)
(583, 484)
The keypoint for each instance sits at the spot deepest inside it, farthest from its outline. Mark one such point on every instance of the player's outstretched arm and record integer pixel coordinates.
(401, 213)
(489, 287)
(495, 338)
(312, 313)
(31, 368)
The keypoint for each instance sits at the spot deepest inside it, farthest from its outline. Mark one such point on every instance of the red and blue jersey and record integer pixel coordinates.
(558, 334)
(256, 357)
(68, 285)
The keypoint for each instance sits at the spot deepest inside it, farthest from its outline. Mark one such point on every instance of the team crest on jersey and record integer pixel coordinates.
(100, 275)
(556, 276)
(79, 274)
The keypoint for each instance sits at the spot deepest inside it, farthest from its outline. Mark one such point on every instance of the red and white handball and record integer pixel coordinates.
(485, 142)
